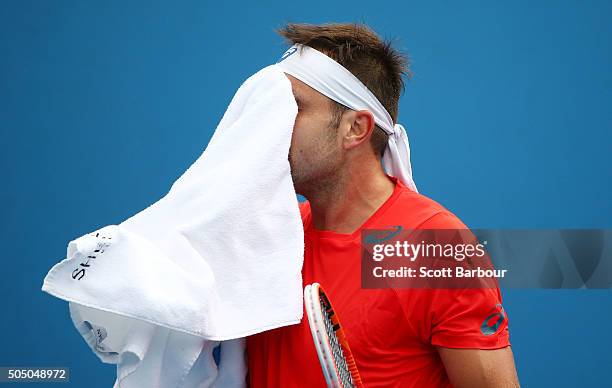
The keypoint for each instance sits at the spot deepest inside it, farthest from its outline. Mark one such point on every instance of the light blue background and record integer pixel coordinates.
(103, 105)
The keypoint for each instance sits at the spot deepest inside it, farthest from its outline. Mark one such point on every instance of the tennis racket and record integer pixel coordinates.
(330, 341)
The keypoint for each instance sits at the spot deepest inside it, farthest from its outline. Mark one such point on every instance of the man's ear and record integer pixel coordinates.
(359, 126)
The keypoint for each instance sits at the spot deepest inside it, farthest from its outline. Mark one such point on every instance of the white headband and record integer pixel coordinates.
(331, 79)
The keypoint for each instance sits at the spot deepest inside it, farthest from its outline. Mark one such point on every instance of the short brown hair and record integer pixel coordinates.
(361, 51)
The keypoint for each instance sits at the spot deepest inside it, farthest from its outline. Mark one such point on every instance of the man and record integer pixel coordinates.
(399, 337)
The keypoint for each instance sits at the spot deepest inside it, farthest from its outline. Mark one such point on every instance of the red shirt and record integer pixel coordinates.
(392, 333)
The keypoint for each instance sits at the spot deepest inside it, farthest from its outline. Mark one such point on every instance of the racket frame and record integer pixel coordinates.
(312, 302)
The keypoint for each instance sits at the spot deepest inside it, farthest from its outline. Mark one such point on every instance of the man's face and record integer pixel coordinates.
(315, 152)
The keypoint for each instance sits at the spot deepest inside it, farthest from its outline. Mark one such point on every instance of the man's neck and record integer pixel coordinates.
(354, 198)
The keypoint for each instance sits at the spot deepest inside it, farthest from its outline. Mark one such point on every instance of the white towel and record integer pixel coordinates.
(217, 259)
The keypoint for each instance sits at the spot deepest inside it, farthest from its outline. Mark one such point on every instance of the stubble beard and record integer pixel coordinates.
(320, 175)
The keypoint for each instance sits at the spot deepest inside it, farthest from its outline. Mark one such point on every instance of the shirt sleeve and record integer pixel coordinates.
(464, 318)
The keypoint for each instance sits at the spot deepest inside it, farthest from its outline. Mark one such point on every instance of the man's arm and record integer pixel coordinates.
(476, 368)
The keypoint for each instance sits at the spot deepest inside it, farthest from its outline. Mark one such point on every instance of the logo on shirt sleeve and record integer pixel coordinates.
(493, 321)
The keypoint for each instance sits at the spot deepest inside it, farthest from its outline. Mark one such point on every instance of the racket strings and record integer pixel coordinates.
(339, 358)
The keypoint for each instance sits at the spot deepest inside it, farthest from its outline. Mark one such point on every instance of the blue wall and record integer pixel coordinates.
(103, 105)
